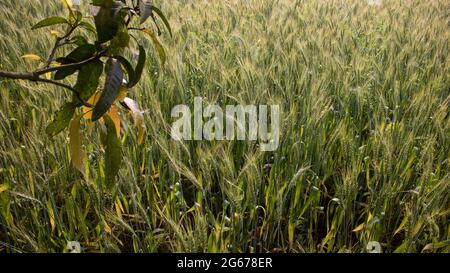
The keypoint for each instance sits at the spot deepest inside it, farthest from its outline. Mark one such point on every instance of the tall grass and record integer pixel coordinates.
(365, 137)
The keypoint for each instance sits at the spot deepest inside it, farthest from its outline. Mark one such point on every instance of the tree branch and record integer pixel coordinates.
(72, 65)
(17, 75)
(34, 77)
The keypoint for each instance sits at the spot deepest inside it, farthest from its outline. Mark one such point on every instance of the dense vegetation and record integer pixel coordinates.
(365, 139)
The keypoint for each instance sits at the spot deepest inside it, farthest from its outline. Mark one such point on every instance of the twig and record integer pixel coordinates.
(57, 45)
(52, 54)
(72, 65)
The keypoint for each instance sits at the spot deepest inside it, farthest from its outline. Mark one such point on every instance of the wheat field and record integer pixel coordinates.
(364, 152)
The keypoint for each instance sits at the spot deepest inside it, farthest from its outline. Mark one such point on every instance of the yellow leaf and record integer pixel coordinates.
(3, 187)
(141, 134)
(77, 154)
(358, 228)
(55, 63)
(122, 93)
(32, 57)
(402, 225)
(329, 236)
(291, 230)
(87, 111)
(114, 115)
(55, 33)
(107, 227)
(119, 207)
(370, 217)
(51, 215)
(48, 75)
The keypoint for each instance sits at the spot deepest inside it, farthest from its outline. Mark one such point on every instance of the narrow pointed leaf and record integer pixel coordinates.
(113, 152)
(77, 155)
(358, 228)
(114, 78)
(163, 18)
(88, 27)
(114, 115)
(128, 68)
(106, 22)
(61, 120)
(88, 79)
(33, 57)
(55, 20)
(157, 44)
(123, 92)
(139, 67)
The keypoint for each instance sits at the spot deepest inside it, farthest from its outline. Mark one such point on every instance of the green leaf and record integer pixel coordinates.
(113, 152)
(88, 79)
(114, 79)
(79, 54)
(163, 18)
(128, 67)
(61, 120)
(139, 67)
(77, 155)
(121, 40)
(106, 22)
(78, 16)
(88, 27)
(157, 44)
(79, 40)
(65, 72)
(82, 53)
(55, 20)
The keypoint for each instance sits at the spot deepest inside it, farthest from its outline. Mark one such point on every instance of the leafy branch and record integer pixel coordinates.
(100, 58)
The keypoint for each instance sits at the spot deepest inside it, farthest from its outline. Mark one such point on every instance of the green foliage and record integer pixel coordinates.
(107, 20)
(110, 93)
(61, 120)
(157, 44)
(113, 156)
(81, 53)
(88, 79)
(139, 68)
(163, 18)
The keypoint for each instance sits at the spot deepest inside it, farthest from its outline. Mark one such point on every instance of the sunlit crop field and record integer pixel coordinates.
(364, 151)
